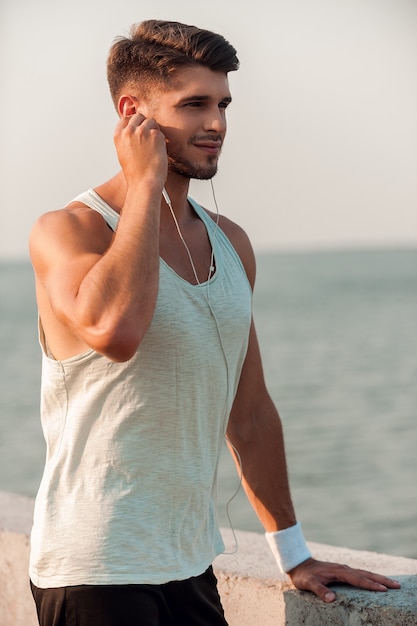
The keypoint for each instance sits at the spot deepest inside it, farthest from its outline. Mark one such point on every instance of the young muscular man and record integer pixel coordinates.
(150, 360)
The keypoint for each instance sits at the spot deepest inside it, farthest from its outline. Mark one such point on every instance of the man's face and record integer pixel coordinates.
(191, 113)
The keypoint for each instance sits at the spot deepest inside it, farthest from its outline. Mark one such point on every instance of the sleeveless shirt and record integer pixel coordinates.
(128, 493)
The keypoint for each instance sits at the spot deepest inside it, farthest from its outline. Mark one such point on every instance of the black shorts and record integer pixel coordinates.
(191, 602)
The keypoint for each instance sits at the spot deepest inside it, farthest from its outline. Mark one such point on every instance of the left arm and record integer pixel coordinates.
(255, 431)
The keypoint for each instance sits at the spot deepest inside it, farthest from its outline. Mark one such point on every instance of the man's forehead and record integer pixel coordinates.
(199, 81)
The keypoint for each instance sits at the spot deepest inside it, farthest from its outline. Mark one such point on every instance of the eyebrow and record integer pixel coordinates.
(196, 98)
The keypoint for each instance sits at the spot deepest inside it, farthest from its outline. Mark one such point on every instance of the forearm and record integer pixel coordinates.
(113, 303)
(260, 451)
(115, 299)
(259, 442)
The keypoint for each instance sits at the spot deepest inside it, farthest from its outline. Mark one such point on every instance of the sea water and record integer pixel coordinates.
(338, 334)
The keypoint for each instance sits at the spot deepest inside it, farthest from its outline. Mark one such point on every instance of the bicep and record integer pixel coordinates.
(252, 398)
(63, 250)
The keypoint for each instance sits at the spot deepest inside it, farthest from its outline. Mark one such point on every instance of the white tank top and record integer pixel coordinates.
(129, 487)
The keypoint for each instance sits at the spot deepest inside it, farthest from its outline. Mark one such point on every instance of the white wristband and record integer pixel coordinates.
(288, 547)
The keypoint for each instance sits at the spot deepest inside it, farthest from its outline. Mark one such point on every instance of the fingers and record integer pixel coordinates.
(141, 148)
(359, 578)
(321, 591)
(136, 120)
(314, 576)
(362, 579)
(384, 583)
(125, 120)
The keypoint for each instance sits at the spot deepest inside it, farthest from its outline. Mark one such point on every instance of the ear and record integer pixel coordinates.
(128, 105)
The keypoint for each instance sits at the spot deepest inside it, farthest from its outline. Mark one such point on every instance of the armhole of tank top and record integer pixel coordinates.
(215, 230)
(42, 340)
(93, 201)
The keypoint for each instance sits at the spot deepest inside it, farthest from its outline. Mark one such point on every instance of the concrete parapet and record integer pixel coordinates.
(16, 604)
(253, 592)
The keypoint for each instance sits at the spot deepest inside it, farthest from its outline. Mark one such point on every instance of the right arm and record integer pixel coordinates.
(101, 289)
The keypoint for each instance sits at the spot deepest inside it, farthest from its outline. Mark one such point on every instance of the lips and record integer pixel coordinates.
(211, 147)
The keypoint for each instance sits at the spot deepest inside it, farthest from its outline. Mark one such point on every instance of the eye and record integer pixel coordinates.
(194, 104)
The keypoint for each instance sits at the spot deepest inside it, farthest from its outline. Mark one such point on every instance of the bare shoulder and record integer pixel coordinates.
(67, 233)
(241, 243)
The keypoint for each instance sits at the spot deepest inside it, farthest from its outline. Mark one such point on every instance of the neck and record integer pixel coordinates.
(114, 191)
(177, 188)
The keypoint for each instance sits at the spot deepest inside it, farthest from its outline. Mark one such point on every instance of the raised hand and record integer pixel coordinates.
(141, 149)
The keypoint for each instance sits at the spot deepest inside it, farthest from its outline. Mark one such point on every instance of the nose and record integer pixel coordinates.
(216, 121)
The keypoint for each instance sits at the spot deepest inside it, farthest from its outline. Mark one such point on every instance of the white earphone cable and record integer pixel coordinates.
(211, 270)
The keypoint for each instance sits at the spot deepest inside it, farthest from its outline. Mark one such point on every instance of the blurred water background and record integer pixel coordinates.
(338, 332)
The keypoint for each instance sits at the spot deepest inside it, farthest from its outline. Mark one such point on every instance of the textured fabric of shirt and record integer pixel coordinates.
(128, 493)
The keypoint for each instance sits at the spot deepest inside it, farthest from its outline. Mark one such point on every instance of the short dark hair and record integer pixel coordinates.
(156, 48)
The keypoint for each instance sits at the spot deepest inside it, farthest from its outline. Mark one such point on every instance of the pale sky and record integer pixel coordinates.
(322, 143)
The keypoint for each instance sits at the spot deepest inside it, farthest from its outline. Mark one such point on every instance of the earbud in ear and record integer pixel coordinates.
(127, 106)
(128, 109)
